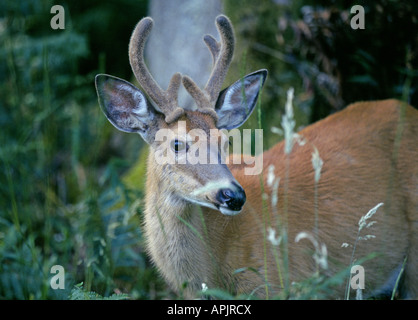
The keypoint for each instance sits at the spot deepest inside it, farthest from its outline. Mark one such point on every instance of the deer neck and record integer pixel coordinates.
(179, 237)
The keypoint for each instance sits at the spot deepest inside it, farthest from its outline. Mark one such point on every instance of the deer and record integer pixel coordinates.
(209, 224)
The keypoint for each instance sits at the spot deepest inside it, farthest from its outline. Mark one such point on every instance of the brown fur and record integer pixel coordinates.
(369, 157)
(359, 172)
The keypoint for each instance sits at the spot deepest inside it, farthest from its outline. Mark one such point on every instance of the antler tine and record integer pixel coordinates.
(222, 55)
(213, 45)
(167, 101)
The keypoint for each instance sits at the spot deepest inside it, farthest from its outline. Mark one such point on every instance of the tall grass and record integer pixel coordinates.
(62, 198)
(318, 284)
(362, 224)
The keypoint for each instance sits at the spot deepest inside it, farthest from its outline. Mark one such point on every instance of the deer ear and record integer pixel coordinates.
(236, 103)
(124, 105)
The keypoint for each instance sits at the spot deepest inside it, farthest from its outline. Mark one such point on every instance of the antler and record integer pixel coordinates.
(167, 101)
(222, 55)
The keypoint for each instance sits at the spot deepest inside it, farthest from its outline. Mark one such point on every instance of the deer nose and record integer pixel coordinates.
(233, 198)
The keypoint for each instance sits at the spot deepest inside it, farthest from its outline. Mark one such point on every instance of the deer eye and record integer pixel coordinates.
(178, 145)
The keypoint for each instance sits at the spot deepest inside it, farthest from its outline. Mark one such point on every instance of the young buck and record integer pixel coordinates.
(210, 223)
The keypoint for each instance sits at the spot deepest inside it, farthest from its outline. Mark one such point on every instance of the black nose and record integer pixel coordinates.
(233, 198)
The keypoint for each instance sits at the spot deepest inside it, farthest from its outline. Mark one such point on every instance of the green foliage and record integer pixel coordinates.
(311, 47)
(79, 293)
(62, 201)
(255, 24)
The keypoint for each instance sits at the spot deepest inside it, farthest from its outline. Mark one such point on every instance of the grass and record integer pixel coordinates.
(64, 198)
(362, 224)
(315, 286)
(62, 204)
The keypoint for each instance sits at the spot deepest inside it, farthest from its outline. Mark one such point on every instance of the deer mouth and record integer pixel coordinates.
(228, 212)
(216, 205)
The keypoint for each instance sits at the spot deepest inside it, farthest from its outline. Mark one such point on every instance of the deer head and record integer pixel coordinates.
(149, 111)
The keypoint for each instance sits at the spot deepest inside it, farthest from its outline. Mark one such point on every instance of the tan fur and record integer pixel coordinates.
(359, 172)
(369, 157)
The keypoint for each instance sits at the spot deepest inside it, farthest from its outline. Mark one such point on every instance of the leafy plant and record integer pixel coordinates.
(79, 293)
(62, 198)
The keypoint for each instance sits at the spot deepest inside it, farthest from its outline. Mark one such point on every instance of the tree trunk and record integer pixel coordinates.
(176, 41)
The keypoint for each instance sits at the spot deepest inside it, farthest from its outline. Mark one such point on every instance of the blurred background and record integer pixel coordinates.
(71, 186)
